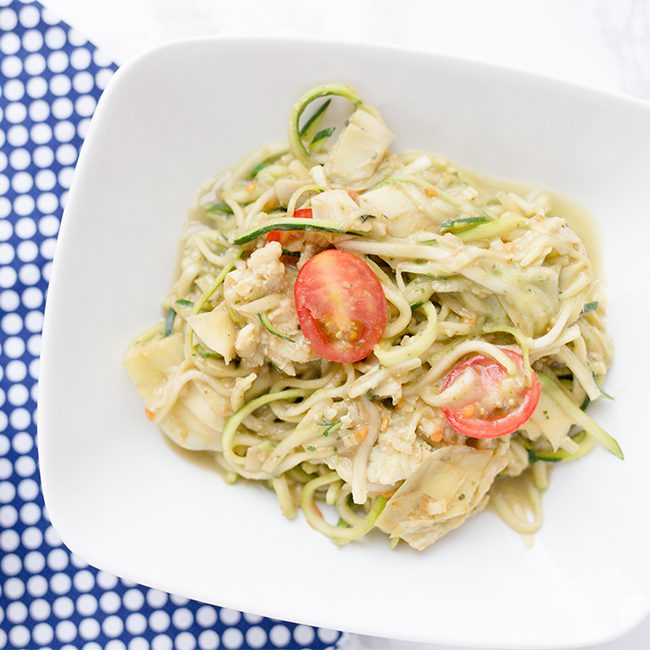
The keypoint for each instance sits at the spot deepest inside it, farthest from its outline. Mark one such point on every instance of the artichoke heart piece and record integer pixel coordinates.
(441, 494)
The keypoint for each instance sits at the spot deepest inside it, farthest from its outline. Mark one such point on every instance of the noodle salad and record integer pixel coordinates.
(378, 337)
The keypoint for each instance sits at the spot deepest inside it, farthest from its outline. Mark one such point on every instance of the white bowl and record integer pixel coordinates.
(126, 501)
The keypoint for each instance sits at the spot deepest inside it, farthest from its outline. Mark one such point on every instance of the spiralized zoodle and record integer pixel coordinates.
(378, 332)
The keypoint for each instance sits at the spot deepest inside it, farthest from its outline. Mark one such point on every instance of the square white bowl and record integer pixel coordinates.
(123, 499)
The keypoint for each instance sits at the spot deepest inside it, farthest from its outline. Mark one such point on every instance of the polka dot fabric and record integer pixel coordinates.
(50, 81)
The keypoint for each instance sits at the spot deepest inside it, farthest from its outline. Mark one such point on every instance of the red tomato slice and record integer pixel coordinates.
(341, 306)
(492, 422)
(286, 236)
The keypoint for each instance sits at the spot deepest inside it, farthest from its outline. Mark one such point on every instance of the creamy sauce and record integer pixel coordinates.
(577, 216)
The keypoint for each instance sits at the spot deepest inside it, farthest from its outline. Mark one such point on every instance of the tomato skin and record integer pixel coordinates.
(341, 306)
(286, 236)
(491, 373)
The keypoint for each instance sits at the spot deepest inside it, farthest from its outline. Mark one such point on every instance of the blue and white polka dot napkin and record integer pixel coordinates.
(50, 81)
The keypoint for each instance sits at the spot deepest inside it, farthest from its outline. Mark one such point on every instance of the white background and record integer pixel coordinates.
(603, 43)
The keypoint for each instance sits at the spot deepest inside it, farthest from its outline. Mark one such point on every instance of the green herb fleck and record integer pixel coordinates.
(317, 113)
(323, 135)
(258, 168)
(364, 217)
(169, 322)
(311, 448)
(461, 497)
(590, 306)
(460, 225)
(219, 208)
(185, 303)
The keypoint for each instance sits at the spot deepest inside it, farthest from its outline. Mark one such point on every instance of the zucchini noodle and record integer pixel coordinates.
(468, 270)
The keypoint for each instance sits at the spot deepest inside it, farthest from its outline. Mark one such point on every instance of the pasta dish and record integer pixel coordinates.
(383, 339)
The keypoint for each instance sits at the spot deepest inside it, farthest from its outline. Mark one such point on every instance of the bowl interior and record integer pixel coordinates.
(127, 501)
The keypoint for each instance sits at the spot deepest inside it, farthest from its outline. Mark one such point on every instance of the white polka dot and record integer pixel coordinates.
(24, 465)
(27, 251)
(6, 468)
(32, 40)
(36, 87)
(156, 598)
(14, 90)
(6, 230)
(48, 226)
(47, 203)
(39, 110)
(280, 635)
(60, 583)
(47, 249)
(83, 82)
(3, 421)
(303, 634)
(19, 159)
(87, 605)
(25, 228)
(16, 371)
(22, 182)
(256, 637)
(115, 644)
(41, 133)
(85, 105)
(185, 641)
(109, 602)
(133, 599)
(66, 630)
(55, 38)
(11, 565)
(32, 298)
(62, 107)
(52, 537)
(106, 580)
(17, 394)
(45, 179)
(57, 61)
(29, 274)
(182, 618)
(5, 207)
(57, 559)
(232, 638)
(30, 514)
(11, 66)
(20, 417)
(15, 113)
(112, 626)
(35, 64)
(43, 633)
(82, 127)
(14, 588)
(64, 131)
(11, 324)
(138, 643)
(4, 184)
(43, 156)
(84, 581)
(37, 586)
(28, 489)
(34, 562)
(65, 177)
(34, 321)
(77, 561)
(10, 43)
(34, 345)
(6, 253)
(208, 640)
(19, 636)
(29, 16)
(3, 157)
(91, 646)
(60, 86)
(63, 607)
(39, 609)
(23, 205)
(66, 154)
(206, 616)
(136, 623)
(7, 19)
(8, 516)
(80, 58)
(161, 642)
(229, 616)
(22, 442)
(159, 621)
(9, 539)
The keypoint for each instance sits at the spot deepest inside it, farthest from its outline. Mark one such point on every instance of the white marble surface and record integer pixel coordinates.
(603, 43)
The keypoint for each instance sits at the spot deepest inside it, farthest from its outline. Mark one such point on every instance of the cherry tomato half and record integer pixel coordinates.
(506, 413)
(341, 306)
